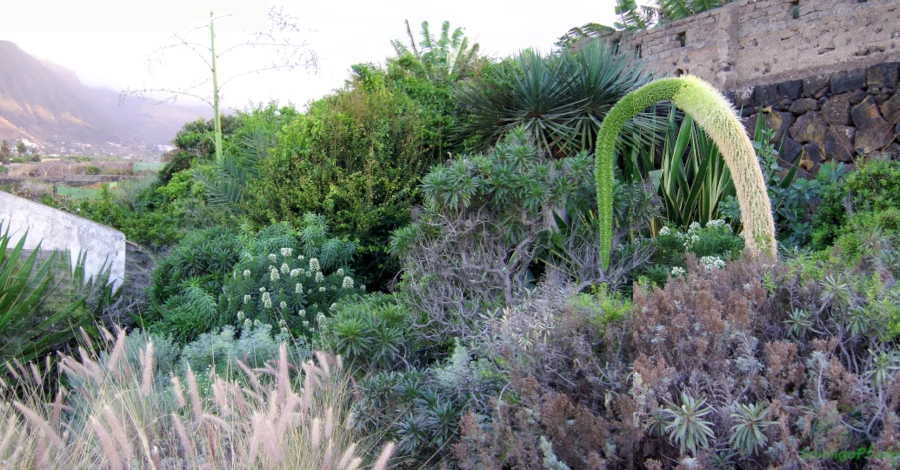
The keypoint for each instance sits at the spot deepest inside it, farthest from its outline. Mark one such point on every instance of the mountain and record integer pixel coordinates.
(47, 104)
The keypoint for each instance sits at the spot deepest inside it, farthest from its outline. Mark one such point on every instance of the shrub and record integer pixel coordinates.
(872, 188)
(289, 283)
(356, 158)
(482, 223)
(715, 244)
(92, 170)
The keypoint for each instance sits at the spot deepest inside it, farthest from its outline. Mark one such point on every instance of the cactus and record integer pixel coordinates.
(719, 120)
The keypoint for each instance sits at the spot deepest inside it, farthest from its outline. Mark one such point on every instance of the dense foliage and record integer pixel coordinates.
(435, 223)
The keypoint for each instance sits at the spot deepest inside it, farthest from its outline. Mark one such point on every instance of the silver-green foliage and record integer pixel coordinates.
(687, 428)
(747, 435)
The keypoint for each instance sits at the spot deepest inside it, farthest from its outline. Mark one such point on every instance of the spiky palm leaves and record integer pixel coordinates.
(441, 57)
(640, 17)
(712, 112)
(560, 99)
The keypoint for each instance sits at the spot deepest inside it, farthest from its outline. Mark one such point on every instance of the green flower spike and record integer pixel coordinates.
(719, 120)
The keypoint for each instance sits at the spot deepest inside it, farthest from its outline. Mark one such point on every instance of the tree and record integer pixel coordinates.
(21, 149)
(289, 56)
(641, 17)
(447, 57)
(561, 99)
(715, 115)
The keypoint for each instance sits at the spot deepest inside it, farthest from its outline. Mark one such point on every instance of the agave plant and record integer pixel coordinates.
(747, 436)
(687, 427)
(715, 115)
(561, 99)
(44, 302)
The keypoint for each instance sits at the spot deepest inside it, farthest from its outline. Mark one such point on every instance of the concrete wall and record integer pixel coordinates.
(58, 230)
(759, 42)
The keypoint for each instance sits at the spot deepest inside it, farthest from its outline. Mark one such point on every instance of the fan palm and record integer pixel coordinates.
(560, 99)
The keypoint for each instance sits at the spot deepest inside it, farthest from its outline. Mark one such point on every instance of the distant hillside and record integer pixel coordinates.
(47, 104)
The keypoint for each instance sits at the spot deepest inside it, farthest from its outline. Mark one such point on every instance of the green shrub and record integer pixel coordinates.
(873, 187)
(356, 158)
(713, 245)
(253, 343)
(290, 282)
(92, 170)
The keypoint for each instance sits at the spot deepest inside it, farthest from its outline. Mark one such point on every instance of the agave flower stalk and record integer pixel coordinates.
(718, 119)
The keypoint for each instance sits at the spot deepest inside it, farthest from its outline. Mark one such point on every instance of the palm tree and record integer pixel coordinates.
(444, 57)
(561, 99)
(641, 17)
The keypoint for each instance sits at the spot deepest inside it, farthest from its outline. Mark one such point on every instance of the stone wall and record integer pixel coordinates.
(759, 42)
(828, 116)
(58, 230)
(823, 73)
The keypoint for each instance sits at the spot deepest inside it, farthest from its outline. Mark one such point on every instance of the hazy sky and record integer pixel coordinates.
(107, 42)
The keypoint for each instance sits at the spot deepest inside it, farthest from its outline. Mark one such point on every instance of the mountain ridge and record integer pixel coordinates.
(47, 104)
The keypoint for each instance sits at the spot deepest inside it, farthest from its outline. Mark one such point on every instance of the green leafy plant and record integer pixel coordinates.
(687, 427)
(43, 303)
(748, 433)
(717, 117)
(288, 283)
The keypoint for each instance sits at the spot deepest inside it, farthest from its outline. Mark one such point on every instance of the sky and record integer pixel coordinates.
(115, 43)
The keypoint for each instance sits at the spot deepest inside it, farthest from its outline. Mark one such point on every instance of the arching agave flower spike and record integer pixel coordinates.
(719, 120)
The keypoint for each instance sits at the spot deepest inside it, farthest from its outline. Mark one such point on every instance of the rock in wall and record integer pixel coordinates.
(828, 116)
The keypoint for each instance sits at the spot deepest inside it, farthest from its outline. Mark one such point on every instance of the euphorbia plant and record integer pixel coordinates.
(719, 120)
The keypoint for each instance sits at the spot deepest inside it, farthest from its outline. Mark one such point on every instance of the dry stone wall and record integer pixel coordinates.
(824, 73)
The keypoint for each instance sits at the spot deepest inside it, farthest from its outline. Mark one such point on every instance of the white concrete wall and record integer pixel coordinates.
(58, 230)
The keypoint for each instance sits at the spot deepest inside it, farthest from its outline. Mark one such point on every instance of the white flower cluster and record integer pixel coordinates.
(247, 299)
(302, 313)
(678, 271)
(314, 264)
(321, 289)
(340, 272)
(273, 274)
(319, 276)
(715, 223)
(267, 300)
(285, 268)
(272, 258)
(296, 272)
(665, 231)
(283, 305)
(298, 288)
(246, 273)
(710, 262)
(301, 258)
(287, 252)
(240, 316)
(347, 283)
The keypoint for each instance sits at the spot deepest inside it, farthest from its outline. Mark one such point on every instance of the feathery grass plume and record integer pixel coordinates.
(107, 444)
(194, 392)
(39, 424)
(115, 424)
(712, 112)
(147, 369)
(178, 391)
